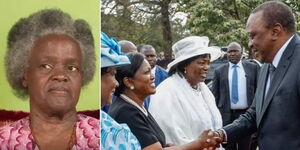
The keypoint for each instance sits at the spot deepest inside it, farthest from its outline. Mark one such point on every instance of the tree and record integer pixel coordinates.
(146, 21)
(150, 21)
(223, 21)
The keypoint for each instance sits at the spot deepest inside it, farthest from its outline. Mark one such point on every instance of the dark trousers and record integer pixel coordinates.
(243, 143)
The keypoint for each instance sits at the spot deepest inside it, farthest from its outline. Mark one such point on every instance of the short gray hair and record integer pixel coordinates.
(146, 47)
(277, 12)
(26, 31)
(235, 46)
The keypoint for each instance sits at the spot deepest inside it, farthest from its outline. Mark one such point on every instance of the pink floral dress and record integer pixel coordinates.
(17, 136)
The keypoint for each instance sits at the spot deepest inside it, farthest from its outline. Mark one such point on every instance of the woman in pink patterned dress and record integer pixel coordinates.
(49, 58)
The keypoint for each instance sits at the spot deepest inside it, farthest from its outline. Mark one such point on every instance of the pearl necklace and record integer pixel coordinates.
(132, 102)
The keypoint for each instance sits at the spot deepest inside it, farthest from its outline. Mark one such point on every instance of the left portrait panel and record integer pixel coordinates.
(49, 74)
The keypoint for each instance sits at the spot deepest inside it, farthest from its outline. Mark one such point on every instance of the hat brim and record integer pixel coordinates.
(107, 62)
(215, 53)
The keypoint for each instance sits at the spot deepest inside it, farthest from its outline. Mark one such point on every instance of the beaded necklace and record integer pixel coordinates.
(71, 142)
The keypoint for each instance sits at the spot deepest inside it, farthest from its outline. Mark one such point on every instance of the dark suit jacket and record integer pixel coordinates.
(277, 120)
(160, 75)
(220, 88)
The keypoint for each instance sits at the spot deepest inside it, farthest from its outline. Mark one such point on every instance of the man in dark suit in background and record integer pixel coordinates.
(234, 87)
(275, 112)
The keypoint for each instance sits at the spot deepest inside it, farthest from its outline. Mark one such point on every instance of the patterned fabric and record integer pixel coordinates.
(18, 136)
(111, 54)
(116, 136)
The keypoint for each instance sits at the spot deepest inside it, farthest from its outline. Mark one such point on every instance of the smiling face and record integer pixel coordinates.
(143, 80)
(108, 85)
(54, 74)
(197, 70)
(260, 37)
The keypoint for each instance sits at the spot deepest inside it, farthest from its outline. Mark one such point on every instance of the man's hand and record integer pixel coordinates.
(210, 140)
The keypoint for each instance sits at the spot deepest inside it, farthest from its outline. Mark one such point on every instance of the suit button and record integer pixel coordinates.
(261, 135)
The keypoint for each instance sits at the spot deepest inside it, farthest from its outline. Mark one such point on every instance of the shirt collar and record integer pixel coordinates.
(153, 70)
(278, 55)
(239, 64)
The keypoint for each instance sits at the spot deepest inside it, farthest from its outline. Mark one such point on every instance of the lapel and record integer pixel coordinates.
(225, 75)
(247, 76)
(279, 73)
(259, 96)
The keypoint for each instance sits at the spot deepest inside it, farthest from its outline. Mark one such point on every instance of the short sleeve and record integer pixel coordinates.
(139, 126)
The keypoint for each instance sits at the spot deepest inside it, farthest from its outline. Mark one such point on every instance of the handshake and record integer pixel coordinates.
(210, 140)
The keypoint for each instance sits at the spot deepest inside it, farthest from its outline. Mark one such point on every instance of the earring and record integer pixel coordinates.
(184, 71)
(132, 88)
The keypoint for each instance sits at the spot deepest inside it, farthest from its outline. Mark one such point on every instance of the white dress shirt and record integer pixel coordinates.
(276, 60)
(242, 86)
(153, 70)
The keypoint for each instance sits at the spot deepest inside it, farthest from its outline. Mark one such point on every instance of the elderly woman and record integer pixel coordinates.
(183, 106)
(50, 57)
(136, 83)
(114, 136)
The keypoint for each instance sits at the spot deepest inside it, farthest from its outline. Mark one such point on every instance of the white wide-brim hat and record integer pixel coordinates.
(193, 46)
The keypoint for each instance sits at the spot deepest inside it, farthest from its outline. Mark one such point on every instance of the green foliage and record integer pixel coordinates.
(125, 29)
(139, 22)
(223, 21)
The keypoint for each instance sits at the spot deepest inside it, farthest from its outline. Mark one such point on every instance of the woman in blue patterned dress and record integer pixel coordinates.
(114, 136)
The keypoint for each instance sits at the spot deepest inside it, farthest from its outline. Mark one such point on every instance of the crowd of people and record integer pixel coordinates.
(252, 103)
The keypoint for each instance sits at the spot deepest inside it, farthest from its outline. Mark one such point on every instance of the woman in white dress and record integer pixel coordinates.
(183, 105)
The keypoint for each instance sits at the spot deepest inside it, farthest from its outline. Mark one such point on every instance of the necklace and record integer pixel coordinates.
(194, 87)
(130, 101)
(71, 142)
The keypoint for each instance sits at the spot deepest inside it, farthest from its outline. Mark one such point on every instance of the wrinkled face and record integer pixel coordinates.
(234, 55)
(260, 37)
(108, 86)
(143, 80)
(197, 70)
(150, 55)
(54, 74)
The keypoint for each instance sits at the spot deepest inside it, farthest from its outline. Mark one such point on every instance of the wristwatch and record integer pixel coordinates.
(221, 134)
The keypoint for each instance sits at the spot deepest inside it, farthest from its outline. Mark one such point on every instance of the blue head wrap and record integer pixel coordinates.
(111, 54)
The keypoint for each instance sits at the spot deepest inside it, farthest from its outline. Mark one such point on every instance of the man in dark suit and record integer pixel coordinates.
(234, 87)
(256, 59)
(275, 112)
(159, 73)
